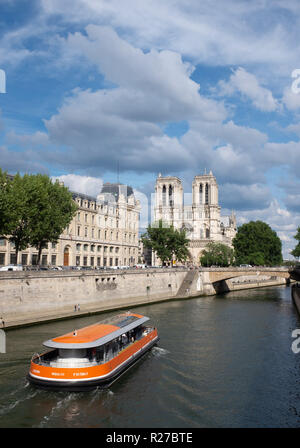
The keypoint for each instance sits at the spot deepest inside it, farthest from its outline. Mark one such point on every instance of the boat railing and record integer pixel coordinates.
(36, 357)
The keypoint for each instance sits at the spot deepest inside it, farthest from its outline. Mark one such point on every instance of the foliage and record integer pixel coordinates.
(52, 209)
(217, 254)
(296, 251)
(33, 210)
(168, 243)
(257, 244)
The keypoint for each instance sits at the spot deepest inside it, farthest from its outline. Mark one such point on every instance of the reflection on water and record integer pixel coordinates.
(222, 361)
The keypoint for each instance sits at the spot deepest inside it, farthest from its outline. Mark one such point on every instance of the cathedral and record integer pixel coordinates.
(198, 212)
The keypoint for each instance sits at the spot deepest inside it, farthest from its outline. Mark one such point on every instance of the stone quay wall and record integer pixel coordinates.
(31, 297)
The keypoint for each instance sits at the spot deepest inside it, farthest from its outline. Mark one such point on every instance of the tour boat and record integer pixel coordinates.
(93, 356)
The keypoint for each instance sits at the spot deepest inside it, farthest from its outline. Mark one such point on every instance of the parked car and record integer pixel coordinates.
(12, 267)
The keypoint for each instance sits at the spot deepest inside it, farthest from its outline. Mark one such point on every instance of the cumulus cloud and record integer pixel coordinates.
(81, 184)
(246, 83)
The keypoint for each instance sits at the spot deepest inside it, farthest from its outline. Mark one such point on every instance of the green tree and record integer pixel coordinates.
(218, 254)
(5, 203)
(52, 209)
(33, 210)
(257, 244)
(168, 243)
(296, 251)
(14, 211)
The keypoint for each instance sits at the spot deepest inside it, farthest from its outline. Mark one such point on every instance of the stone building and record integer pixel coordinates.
(199, 212)
(104, 232)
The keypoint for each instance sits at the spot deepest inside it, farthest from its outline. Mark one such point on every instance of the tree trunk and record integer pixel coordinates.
(39, 252)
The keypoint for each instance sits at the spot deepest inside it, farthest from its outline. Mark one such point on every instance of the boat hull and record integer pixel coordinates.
(92, 377)
(296, 295)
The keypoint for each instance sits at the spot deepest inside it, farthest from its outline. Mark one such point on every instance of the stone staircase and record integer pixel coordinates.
(185, 288)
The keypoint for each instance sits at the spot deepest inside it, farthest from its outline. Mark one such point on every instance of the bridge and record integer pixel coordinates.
(216, 280)
(220, 274)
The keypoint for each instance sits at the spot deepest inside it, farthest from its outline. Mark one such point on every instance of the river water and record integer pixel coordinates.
(222, 361)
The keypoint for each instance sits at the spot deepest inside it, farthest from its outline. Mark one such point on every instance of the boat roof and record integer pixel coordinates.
(99, 333)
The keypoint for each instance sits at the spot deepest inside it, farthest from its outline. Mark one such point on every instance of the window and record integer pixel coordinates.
(164, 193)
(206, 193)
(24, 259)
(98, 248)
(44, 260)
(85, 231)
(171, 200)
(93, 248)
(201, 194)
(78, 231)
(84, 261)
(2, 258)
(13, 259)
(77, 260)
(78, 246)
(53, 260)
(85, 247)
(2, 242)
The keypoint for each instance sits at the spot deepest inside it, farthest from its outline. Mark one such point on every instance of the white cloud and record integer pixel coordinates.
(291, 99)
(247, 84)
(81, 184)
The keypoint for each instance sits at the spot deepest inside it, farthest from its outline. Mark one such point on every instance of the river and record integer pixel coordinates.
(221, 362)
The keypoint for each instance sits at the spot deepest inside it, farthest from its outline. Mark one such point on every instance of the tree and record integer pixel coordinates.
(5, 204)
(33, 210)
(218, 254)
(257, 244)
(52, 209)
(168, 243)
(14, 211)
(296, 251)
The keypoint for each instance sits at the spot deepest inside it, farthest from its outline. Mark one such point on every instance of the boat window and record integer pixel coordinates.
(72, 353)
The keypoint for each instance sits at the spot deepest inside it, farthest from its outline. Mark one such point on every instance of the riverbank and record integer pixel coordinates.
(27, 298)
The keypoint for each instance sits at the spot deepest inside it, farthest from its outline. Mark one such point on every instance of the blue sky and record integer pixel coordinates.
(169, 87)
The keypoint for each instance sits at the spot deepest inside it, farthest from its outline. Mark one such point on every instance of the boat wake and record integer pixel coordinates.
(60, 405)
(159, 351)
(12, 399)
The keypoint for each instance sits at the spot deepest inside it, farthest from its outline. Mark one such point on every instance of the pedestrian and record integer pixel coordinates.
(75, 307)
(78, 307)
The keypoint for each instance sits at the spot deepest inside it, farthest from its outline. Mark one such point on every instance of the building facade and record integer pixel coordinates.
(104, 232)
(198, 213)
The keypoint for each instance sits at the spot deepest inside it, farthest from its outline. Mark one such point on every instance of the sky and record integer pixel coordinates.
(95, 91)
